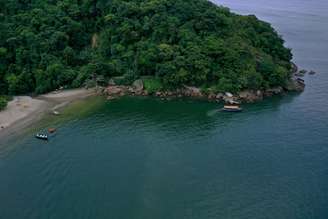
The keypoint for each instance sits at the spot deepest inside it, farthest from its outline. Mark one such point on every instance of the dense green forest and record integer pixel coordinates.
(47, 44)
(3, 102)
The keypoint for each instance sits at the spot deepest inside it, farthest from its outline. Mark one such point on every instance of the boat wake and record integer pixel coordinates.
(213, 112)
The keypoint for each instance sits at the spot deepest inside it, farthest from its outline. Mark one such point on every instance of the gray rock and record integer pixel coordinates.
(111, 98)
(138, 85)
(119, 80)
(251, 95)
(114, 90)
(295, 85)
(303, 71)
(219, 96)
(212, 96)
(294, 68)
(192, 91)
(259, 93)
(131, 90)
(274, 91)
(111, 82)
(299, 74)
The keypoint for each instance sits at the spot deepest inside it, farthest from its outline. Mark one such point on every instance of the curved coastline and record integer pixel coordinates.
(23, 111)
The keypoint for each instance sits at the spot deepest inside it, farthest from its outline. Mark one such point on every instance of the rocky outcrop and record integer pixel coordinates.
(273, 91)
(219, 96)
(111, 82)
(295, 85)
(294, 68)
(250, 96)
(212, 96)
(138, 85)
(303, 71)
(137, 89)
(191, 91)
(113, 90)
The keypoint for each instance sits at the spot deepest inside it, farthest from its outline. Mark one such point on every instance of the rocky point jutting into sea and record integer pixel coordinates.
(144, 158)
(183, 46)
(295, 84)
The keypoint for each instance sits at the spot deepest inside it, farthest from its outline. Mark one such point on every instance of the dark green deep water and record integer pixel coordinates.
(140, 158)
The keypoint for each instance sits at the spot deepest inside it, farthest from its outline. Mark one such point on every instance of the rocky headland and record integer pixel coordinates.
(295, 84)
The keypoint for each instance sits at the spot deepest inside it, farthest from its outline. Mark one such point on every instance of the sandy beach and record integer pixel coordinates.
(24, 110)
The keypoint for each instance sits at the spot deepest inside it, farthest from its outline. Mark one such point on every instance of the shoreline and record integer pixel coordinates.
(245, 96)
(294, 84)
(23, 111)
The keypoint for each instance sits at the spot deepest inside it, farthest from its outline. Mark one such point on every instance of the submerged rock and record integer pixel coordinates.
(303, 71)
(312, 72)
(111, 98)
(298, 74)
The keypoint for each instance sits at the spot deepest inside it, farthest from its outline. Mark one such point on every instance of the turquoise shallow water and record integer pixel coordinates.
(145, 158)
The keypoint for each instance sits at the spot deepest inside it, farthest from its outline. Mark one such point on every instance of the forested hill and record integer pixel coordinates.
(46, 44)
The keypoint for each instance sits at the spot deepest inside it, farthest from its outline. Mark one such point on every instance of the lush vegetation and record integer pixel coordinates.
(3, 102)
(152, 85)
(47, 44)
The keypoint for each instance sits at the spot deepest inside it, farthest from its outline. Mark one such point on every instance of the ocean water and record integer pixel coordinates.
(140, 158)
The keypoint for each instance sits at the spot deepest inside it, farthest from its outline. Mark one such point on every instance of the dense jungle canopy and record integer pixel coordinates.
(47, 44)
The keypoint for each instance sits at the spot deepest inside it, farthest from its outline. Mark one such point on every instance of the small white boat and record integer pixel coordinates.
(41, 136)
(232, 108)
(55, 113)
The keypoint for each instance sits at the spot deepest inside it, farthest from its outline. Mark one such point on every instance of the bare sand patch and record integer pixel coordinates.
(24, 110)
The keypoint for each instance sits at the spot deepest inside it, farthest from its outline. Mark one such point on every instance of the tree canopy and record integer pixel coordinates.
(47, 44)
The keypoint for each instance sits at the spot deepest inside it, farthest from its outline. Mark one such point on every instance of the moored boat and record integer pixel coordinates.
(56, 113)
(41, 136)
(52, 130)
(232, 108)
